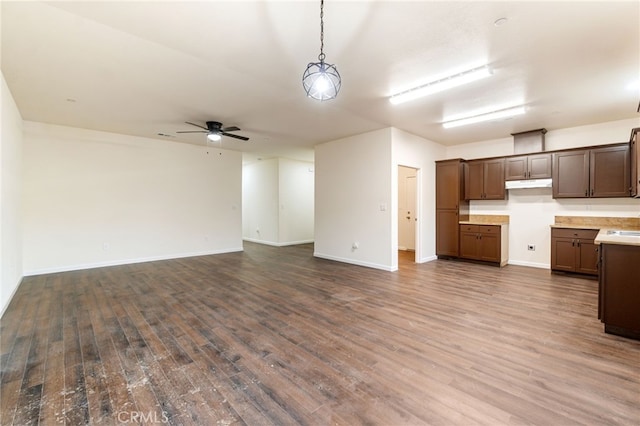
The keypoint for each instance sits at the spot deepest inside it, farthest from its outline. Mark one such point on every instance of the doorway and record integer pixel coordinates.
(407, 211)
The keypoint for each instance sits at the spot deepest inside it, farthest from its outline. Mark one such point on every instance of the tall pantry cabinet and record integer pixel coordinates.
(451, 206)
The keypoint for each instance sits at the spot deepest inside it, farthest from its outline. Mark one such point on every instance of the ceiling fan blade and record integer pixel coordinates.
(197, 125)
(193, 131)
(230, 129)
(234, 136)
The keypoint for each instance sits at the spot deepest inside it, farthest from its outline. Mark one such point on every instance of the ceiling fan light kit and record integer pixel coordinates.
(215, 131)
(441, 84)
(321, 81)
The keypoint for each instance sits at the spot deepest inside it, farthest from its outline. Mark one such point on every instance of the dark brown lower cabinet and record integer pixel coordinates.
(573, 250)
(447, 232)
(619, 295)
(481, 242)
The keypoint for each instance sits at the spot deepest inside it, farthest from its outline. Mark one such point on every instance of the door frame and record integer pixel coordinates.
(418, 213)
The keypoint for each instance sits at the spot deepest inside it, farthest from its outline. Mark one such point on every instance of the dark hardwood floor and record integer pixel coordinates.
(274, 336)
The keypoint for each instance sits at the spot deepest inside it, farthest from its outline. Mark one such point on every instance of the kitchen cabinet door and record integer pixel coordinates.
(493, 179)
(571, 174)
(448, 183)
(489, 248)
(610, 172)
(473, 180)
(515, 168)
(587, 262)
(447, 232)
(539, 166)
(484, 180)
(527, 167)
(468, 244)
(563, 254)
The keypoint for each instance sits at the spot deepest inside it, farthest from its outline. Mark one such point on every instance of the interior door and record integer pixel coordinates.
(407, 193)
(410, 184)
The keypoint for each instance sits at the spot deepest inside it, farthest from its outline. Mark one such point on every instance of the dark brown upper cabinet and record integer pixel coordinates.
(598, 172)
(484, 179)
(525, 167)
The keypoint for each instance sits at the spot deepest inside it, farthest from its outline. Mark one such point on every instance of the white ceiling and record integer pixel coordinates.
(145, 67)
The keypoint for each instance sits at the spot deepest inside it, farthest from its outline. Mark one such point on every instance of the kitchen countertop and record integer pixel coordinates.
(486, 219)
(597, 228)
(603, 224)
(604, 238)
(486, 222)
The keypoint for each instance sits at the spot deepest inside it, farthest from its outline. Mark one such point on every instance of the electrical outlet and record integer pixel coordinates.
(531, 247)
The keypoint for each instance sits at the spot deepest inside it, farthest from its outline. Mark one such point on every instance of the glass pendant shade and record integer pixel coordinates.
(214, 137)
(321, 81)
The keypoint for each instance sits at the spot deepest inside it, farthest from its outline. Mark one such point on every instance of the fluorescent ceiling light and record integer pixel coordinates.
(503, 113)
(440, 85)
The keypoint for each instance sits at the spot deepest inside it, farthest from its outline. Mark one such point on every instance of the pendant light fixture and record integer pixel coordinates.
(321, 80)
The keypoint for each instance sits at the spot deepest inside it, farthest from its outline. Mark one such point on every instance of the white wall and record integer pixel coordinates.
(260, 201)
(10, 197)
(353, 200)
(278, 197)
(531, 211)
(414, 151)
(94, 198)
(296, 208)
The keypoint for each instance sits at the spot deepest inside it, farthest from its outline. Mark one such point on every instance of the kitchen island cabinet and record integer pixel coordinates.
(619, 289)
(635, 163)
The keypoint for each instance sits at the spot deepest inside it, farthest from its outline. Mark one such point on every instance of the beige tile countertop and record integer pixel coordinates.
(486, 219)
(604, 237)
(604, 225)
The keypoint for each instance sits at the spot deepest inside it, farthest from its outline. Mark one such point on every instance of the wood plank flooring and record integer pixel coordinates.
(274, 336)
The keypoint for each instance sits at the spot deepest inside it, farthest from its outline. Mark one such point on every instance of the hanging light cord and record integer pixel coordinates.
(321, 55)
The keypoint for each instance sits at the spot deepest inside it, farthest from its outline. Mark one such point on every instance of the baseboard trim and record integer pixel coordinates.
(13, 293)
(274, 244)
(529, 264)
(428, 259)
(68, 268)
(355, 262)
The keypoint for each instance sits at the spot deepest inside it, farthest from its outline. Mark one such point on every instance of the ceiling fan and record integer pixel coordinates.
(215, 131)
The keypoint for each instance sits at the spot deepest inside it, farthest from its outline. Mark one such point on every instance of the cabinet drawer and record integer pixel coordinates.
(481, 229)
(489, 229)
(585, 234)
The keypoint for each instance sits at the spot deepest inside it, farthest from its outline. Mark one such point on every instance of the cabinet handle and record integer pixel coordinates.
(592, 192)
(586, 192)
(578, 243)
(573, 243)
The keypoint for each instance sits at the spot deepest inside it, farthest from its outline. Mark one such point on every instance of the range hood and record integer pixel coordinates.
(530, 183)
